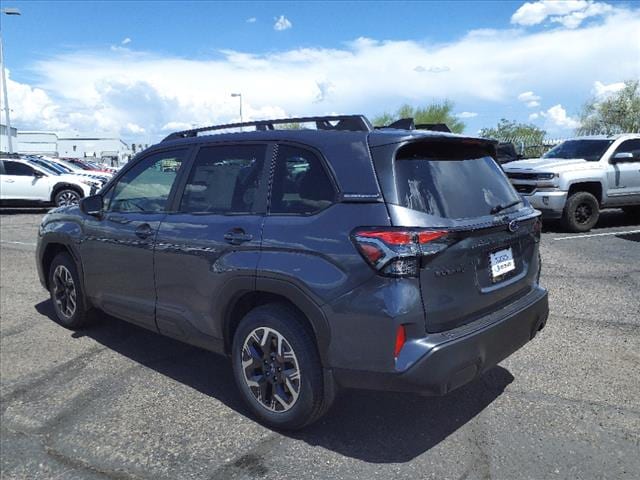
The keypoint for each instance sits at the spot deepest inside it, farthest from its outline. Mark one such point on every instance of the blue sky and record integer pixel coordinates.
(143, 68)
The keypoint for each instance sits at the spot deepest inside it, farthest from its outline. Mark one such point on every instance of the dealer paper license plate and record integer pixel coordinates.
(501, 262)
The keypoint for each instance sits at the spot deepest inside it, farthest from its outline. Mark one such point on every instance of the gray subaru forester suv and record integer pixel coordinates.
(336, 256)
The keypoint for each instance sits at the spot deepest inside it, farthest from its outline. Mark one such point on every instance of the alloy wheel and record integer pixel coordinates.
(271, 369)
(583, 213)
(68, 198)
(64, 291)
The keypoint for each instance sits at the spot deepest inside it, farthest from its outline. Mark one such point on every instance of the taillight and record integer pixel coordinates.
(396, 252)
(401, 338)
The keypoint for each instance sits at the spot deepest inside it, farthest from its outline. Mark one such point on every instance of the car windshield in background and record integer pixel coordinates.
(43, 166)
(590, 150)
(454, 188)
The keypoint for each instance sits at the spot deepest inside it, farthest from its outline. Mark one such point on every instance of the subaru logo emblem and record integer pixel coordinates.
(513, 226)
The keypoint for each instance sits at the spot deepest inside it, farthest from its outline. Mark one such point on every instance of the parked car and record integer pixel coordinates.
(26, 183)
(344, 256)
(506, 152)
(71, 168)
(577, 178)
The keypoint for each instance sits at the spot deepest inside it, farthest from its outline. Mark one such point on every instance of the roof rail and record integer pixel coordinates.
(409, 124)
(345, 122)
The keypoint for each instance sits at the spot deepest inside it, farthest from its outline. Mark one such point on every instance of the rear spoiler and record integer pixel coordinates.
(409, 124)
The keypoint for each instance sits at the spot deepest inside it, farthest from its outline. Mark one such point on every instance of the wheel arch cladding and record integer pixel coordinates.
(594, 188)
(310, 314)
(65, 186)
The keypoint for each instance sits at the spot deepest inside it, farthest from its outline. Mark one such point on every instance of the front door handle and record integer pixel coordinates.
(144, 231)
(236, 236)
(8, 180)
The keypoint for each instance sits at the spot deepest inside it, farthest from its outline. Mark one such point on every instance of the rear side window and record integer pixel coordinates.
(301, 184)
(455, 187)
(18, 169)
(224, 179)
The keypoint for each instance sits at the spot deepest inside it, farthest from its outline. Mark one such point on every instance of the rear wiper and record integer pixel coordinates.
(498, 208)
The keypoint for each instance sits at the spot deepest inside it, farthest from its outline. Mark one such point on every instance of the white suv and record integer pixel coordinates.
(25, 182)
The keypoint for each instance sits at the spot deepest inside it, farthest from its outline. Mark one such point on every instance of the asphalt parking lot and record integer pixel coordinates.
(118, 402)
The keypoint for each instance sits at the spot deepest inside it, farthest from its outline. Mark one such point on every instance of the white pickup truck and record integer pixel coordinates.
(576, 179)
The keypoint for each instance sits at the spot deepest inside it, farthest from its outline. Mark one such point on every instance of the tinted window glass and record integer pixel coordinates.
(300, 183)
(452, 188)
(17, 168)
(630, 146)
(224, 179)
(146, 187)
(590, 150)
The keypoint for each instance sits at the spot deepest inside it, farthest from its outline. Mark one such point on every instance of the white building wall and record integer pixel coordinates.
(38, 143)
(80, 147)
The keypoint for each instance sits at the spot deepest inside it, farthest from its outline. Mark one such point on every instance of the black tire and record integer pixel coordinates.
(66, 292)
(66, 196)
(315, 393)
(581, 212)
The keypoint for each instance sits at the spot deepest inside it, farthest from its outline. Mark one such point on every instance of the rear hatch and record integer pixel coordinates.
(489, 257)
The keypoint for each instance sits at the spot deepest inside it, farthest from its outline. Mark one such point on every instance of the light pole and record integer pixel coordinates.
(239, 95)
(7, 116)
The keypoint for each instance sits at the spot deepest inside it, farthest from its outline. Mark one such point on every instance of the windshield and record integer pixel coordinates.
(44, 166)
(469, 188)
(590, 150)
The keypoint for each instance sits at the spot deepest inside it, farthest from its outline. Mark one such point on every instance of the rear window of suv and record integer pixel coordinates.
(451, 182)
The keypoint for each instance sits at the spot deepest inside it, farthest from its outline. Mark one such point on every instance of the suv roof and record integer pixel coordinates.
(357, 125)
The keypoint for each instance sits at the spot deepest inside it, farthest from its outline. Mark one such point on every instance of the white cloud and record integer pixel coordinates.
(134, 128)
(432, 69)
(252, 20)
(282, 23)
(534, 116)
(568, 13)
(466, 114)
(530, 99)
(126, 41)
(106, 90)
(601, 90)
(557, 118)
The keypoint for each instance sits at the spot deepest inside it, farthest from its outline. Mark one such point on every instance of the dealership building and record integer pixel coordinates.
(105, 147)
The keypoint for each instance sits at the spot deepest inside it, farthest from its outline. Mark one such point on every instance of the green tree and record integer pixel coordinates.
(526, 137)
(438, 112)
(618, 113)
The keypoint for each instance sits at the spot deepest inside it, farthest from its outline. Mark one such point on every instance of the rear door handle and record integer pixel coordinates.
(8, 180)
(144, 231)
(237, 236)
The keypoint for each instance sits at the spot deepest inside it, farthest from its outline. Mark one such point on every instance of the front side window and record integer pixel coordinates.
(145, 187)
(630, 146)
(18, 169)
(301, 184)
(225, 179)
(590, 150)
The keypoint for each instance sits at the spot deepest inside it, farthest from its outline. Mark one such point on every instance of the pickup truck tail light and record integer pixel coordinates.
(397, 252)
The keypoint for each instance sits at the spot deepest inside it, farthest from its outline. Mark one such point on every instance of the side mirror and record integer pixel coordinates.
(622, 157)
(38, 174)
(92, 205)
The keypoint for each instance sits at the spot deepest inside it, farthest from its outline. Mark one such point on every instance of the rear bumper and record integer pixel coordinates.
(441, 362)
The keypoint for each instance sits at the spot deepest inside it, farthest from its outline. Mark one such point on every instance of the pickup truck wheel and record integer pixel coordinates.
(66, 196)
(277, 368)
(66, 292)
(581, 212)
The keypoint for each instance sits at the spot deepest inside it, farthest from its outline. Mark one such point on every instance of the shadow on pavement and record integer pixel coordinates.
(608, 219)
(377, 427)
